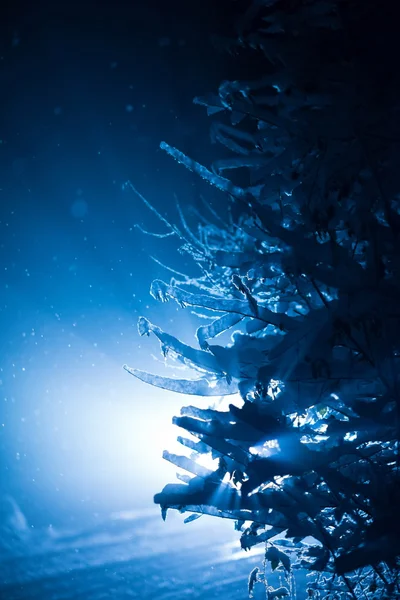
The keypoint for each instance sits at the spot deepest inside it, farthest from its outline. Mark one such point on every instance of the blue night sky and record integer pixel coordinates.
(87, 93)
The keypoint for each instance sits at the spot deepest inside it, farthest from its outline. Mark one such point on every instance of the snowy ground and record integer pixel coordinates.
(130, 555)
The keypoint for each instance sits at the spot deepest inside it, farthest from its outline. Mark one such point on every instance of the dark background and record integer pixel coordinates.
(88, 90)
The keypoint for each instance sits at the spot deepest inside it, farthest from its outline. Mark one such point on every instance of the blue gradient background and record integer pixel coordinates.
(88, 92)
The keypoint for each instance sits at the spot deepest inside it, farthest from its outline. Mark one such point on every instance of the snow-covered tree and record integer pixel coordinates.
(305, 275)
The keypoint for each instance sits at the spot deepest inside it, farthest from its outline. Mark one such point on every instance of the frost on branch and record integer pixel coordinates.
(220, 182)
(304, 276)
(195, 387)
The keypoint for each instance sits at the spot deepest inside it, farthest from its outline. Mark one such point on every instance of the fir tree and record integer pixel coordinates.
(305, 275)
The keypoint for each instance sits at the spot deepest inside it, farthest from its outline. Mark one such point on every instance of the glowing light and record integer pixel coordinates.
(207, 461)
(322, 428)
(266, 449)
(274, 388)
